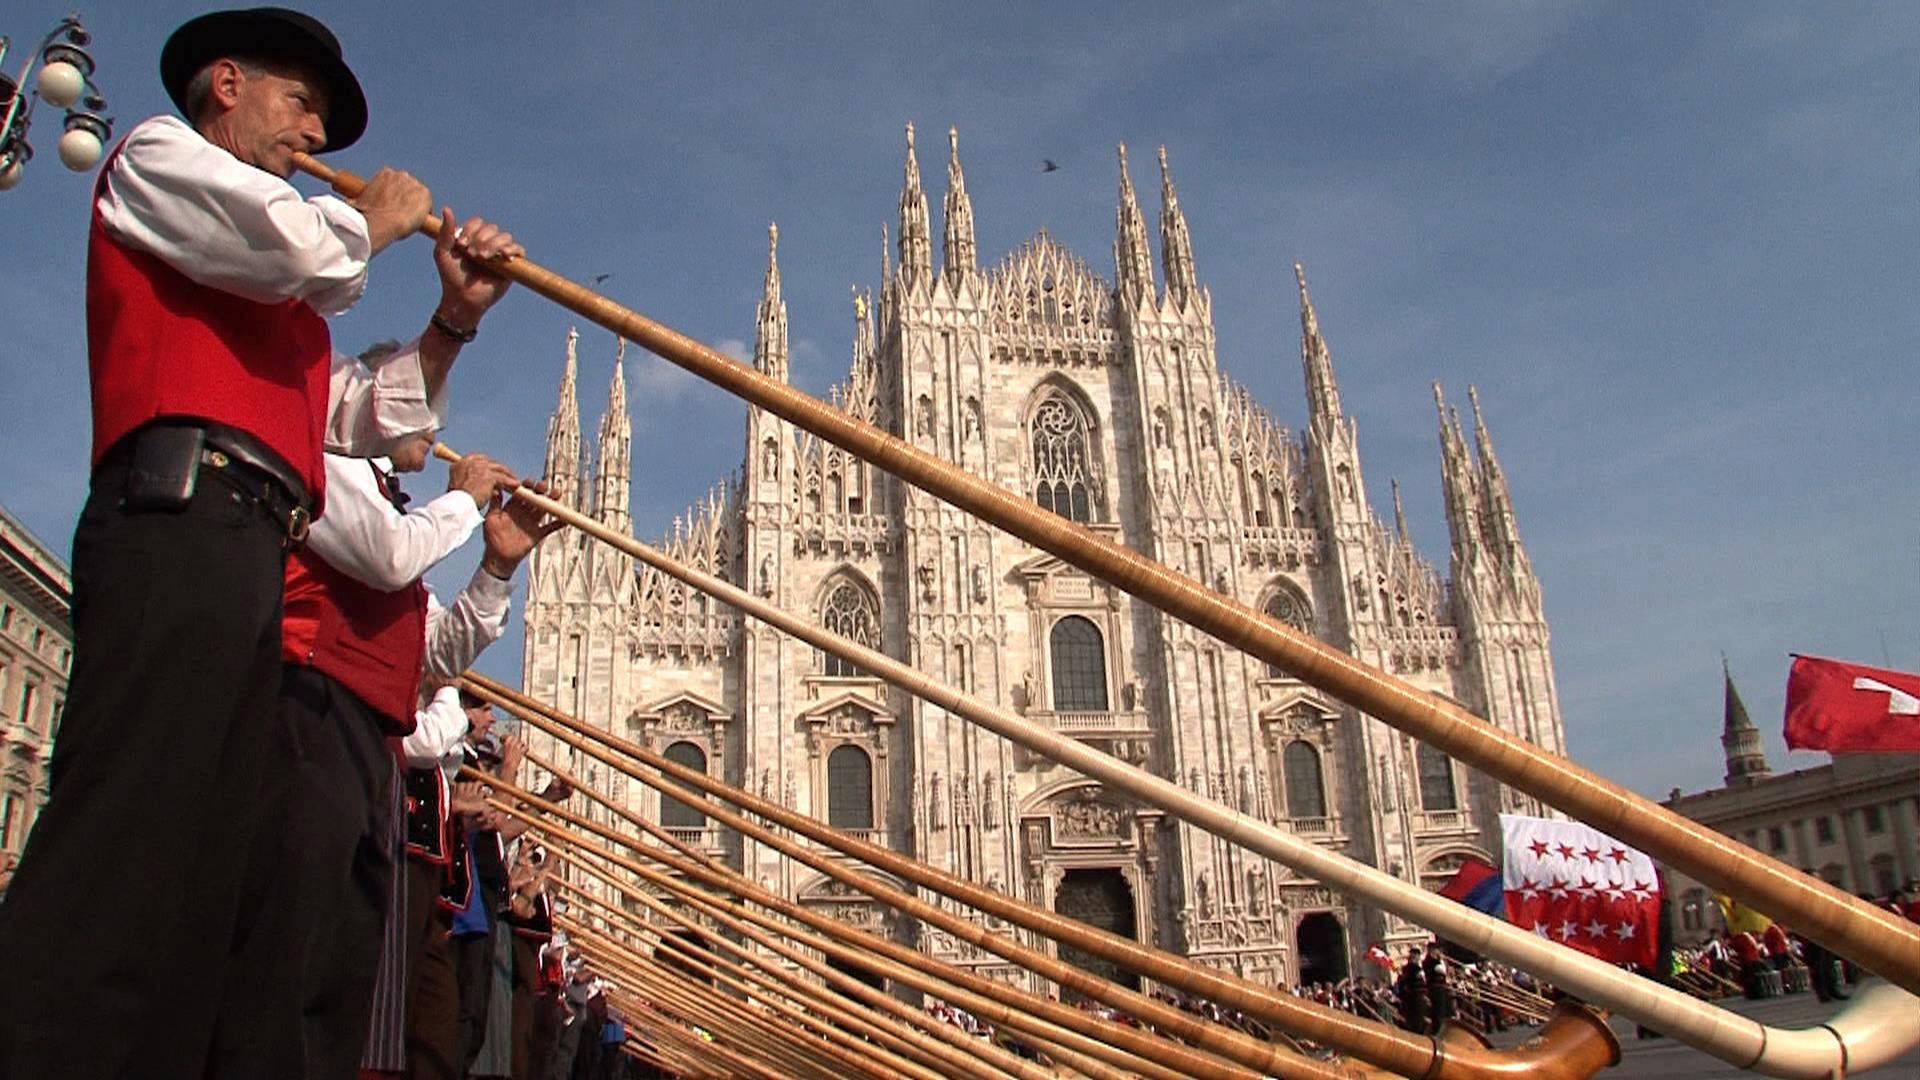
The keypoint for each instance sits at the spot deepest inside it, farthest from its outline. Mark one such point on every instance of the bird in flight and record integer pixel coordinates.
(1047, 165)
(598, 278)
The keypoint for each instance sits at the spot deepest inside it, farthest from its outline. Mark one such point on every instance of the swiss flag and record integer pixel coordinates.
(1845, 708)
(1582, 888)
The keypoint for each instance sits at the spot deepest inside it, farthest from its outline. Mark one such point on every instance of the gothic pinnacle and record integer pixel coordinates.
(1176, 242)
(1134, 262)
(958, 255)
(1323, 392)
(770, 317)
(1399, 515)
(916, 253)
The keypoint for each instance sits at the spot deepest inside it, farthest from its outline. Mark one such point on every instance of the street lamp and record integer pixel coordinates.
(66, 82)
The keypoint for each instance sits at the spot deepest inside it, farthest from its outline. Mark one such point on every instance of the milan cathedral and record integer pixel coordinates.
(1103, 402)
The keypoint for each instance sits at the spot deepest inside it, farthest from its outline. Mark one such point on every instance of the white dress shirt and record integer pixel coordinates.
(437, 732)
(242, 230)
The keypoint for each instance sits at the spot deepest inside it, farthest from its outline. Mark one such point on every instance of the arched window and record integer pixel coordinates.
(1293, 609)
(1079, 666)
(1306, 795)
(675, 814)
(851, 612)
(849, 788)
(1062, 459)
(1436, 779)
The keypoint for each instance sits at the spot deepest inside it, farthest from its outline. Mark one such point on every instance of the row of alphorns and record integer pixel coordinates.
(1876, 1028)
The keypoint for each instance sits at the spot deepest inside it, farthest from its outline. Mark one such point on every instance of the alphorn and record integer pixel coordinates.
(1278, 1062)
(1581, 1045)
(1852, 927)
(1087, 1056)
(1003, 1005)
(778, 990)
(1873, 1030)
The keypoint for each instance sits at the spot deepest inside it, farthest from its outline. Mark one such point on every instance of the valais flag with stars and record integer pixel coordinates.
(1580, 887)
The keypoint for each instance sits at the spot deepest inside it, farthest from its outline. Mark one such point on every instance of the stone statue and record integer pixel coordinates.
(990, 801)
(936, 805)
(1246, 789)
(766, 575)
(1203, 895)
(1026, 690)
(1256, 891)
(979, 585)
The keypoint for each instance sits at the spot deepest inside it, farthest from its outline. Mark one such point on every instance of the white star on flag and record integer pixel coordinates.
(1567, 930)
(1624, 931)
(1596, 928)
(1530, 889)
(1558, 890)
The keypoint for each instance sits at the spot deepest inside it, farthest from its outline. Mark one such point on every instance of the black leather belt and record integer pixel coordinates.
(273, 497)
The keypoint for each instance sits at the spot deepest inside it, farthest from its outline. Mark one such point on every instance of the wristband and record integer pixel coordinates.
(439, 322)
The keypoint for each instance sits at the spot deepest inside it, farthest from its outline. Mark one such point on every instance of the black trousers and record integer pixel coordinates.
(299, 995)
(433, 994)
(114, 933)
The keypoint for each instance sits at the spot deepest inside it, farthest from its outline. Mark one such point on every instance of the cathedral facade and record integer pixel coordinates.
(1102, 401)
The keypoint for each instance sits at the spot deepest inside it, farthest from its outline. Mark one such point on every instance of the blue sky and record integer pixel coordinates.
(1673, 244)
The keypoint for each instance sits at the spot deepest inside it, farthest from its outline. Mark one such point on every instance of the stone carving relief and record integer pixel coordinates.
(929, 575)
(1084, 817)
(936, 805)
(990, 802)
(979, 585)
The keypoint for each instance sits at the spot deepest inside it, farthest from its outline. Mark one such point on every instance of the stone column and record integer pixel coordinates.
(1800, 849)
(1856, 850)
(1905, 857)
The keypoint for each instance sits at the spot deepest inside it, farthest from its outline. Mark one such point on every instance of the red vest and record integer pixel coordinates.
(161, 345)
(371, 642)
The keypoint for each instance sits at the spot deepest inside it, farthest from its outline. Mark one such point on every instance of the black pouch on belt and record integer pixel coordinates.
(166, 462)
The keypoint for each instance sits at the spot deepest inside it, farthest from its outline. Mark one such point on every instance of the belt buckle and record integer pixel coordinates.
(299, 520)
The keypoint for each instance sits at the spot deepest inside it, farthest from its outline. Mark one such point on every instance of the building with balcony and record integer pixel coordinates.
(36, 653)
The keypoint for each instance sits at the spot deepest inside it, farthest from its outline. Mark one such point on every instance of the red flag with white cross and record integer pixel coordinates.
(1582, 888)
(1846, 708)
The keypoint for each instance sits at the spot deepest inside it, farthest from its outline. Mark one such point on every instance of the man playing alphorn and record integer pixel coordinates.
(214, 392)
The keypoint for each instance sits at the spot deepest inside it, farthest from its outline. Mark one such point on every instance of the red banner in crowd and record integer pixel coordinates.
(1578, 886)
(1845, 708)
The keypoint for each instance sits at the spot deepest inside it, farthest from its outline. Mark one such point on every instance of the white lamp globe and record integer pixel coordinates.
(80, 149)
(61, 84)
(11, 174)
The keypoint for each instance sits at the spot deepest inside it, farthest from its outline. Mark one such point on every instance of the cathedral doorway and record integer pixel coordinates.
(1100, 898)
(1320, 942)
(858, 971)
(696, 944)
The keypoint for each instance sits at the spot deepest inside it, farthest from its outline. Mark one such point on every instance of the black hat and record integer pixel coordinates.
(268, 33)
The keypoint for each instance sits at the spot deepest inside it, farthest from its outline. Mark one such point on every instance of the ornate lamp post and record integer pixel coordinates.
(66, 82)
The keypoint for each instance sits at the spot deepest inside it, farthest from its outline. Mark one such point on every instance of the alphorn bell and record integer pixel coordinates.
(1851, 927)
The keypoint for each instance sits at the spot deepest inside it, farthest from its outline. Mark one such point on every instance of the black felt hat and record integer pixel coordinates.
(268, 33)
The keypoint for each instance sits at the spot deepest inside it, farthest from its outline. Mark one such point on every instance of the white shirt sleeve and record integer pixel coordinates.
(361, 534)
(230, 226)
(437, 729)
(457, 635)
(370, 408)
